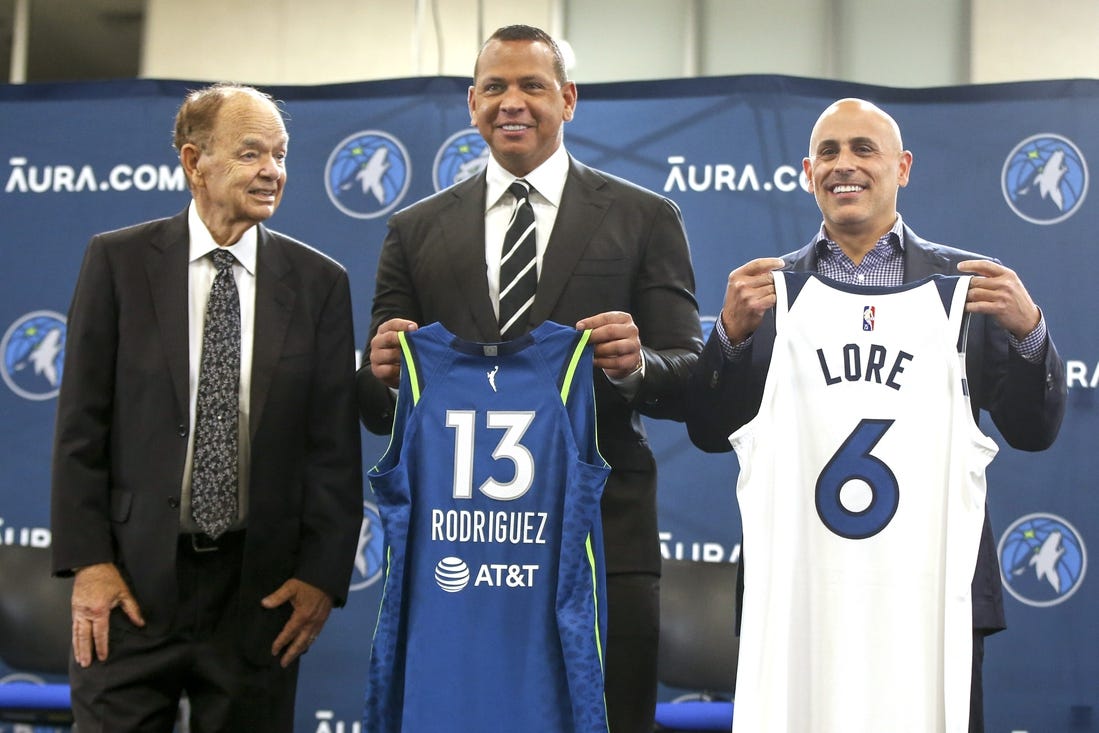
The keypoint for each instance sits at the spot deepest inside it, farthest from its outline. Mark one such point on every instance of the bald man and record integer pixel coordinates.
(855, 167)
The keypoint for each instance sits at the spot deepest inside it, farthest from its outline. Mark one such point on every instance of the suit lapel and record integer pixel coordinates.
(275, 297)
(462, 227)
(584, 204)
(167, 271)
(921, 260)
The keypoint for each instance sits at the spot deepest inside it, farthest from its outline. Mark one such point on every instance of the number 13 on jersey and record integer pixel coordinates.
(515, 425)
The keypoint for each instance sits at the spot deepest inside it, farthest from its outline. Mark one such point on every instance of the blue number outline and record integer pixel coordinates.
(850, 462)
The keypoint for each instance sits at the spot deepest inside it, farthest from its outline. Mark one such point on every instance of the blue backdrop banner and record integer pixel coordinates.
(1000, 169)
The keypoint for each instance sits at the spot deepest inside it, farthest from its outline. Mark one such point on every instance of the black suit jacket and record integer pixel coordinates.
(123, 422)
(1026, 401)
(614, 246)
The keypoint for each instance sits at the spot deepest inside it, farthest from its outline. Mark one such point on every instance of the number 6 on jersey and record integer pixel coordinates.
(853, 462)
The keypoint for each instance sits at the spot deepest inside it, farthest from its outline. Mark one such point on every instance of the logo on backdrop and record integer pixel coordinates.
(367, 174)
(24, 536)
(22, 678)
(462, 156)
(1042, 559)
(28, 177)
(328, 723)
(673, 548)
(1082, 374)
(1045, 179)
(370, 557)
(684, 176)
(34, 351)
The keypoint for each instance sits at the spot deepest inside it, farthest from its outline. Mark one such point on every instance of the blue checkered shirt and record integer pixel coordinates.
(882, 266)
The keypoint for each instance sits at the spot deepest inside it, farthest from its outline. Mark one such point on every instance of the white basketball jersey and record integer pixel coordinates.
(862, 492)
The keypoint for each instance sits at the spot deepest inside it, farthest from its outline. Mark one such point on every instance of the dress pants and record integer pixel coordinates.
(976, 685)
(633, 638)
(138, 688)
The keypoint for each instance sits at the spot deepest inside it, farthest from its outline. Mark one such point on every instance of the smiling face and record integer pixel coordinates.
(237, 177)
(855, 166)
(518, 104)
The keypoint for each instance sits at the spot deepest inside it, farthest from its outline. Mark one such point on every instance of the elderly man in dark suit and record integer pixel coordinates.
(611, 257)
(207, 484)
(856, 165)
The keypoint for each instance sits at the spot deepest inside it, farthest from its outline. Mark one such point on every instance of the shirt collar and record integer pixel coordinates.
(894, 236)
(203, 244)
(548, 179)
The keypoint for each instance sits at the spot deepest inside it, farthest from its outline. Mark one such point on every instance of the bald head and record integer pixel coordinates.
(852, 108)
(855, 166)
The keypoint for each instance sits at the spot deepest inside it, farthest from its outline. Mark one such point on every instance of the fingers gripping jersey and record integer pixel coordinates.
(862, 496)
(493, 611)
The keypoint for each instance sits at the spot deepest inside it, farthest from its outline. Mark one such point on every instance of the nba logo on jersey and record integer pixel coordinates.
(868, 312)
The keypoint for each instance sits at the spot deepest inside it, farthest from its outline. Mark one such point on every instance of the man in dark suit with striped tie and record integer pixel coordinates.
(607, 255)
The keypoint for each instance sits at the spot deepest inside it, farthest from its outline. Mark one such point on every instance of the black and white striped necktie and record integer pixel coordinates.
(518, 269)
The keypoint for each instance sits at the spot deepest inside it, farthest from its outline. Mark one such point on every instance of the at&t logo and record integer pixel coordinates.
(1042, 559)
(1045, 179)
(367, 174)
(452, 574)
(34, 351)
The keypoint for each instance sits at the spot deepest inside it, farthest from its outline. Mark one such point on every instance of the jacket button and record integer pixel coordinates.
(181, 429)
(173, 502)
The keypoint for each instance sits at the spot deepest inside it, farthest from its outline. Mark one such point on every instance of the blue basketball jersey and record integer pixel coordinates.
(493, 613)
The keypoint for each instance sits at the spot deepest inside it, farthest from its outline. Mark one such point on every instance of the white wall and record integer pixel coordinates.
(903, 43)
(627, 39)
(322, 41)
(1018, 40)
(890, 42)
(793, 37)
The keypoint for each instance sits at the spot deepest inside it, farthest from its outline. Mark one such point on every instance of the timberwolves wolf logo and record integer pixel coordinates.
(34, 350)
(1042, 559)
(22, 678)
(462, 156)
(370, 557)
(1045, 179)
(367, 174)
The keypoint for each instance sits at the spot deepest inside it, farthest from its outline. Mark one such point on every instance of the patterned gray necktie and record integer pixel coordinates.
(518, 271)
(214, 468)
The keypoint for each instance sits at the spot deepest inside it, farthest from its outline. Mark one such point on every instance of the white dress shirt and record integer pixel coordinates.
(547, 181)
